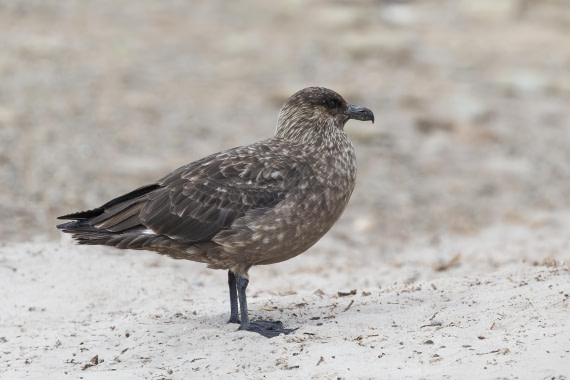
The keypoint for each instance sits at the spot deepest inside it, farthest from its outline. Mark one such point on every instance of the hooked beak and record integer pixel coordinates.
(359, 113)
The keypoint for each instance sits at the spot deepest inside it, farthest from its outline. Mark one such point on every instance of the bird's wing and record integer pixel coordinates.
(196, 201)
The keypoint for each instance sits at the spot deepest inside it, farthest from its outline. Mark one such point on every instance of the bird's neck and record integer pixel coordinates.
(332, 146)
(315, 133)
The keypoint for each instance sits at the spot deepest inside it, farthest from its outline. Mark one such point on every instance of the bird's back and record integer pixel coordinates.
(258, 204)
(250, 205)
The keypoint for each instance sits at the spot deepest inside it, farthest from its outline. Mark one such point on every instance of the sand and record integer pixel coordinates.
(494, 306)
(450, 262)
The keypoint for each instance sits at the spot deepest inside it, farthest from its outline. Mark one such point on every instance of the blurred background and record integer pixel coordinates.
(472, 103)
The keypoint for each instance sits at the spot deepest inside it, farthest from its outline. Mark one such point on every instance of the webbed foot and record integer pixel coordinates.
(268, 329)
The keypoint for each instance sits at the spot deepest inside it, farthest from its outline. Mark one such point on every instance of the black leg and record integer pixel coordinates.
(241, 286)
(233, 298)
(268, 329)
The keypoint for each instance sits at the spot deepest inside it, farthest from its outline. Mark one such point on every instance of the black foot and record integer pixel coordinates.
(234, 320)
(268, 329)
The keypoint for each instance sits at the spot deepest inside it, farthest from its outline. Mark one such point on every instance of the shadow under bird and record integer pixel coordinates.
(252, 205)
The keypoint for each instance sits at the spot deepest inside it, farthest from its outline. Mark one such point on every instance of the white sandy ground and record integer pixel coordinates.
(494, 305)
(471, 138)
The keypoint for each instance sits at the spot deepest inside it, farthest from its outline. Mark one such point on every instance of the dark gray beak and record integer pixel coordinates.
(359, 113)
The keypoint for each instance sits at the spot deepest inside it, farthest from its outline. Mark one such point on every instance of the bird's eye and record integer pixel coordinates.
(332, 103)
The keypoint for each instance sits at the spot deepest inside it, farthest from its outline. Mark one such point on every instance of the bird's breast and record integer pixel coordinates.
(309, 211)
(313, 203)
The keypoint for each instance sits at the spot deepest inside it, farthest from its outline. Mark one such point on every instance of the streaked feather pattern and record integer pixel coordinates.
(257, 204)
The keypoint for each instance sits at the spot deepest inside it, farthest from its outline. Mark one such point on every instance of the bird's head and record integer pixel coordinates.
(310, 110)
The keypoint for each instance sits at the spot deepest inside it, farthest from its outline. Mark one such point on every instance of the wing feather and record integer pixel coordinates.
(197, 201)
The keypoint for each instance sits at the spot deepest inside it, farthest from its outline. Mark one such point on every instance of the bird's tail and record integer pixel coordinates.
(116, 223)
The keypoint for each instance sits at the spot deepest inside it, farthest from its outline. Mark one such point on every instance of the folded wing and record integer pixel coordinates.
(193, 203)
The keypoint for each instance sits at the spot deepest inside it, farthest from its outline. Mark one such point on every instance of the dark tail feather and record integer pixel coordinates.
(115, 223)
(82, 215)
(128, 239)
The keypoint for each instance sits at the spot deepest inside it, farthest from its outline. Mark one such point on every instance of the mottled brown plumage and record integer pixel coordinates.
(253, 205)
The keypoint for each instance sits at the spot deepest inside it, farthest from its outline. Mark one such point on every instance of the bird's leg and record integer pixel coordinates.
(268, 329)
(241, 286)
(234, 318)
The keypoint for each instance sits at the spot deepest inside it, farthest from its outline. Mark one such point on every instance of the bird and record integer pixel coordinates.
(251, 205)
